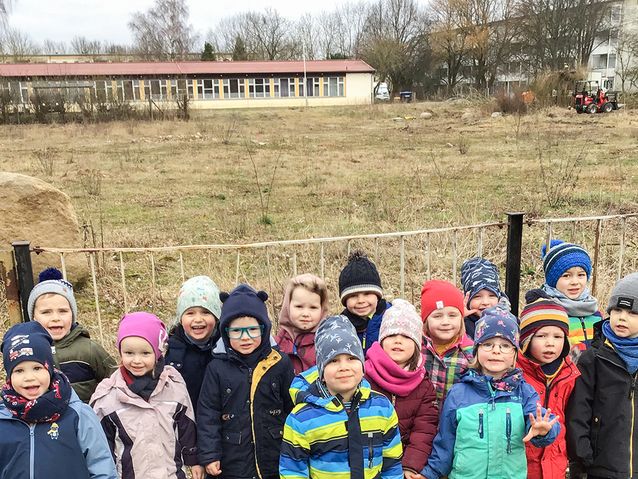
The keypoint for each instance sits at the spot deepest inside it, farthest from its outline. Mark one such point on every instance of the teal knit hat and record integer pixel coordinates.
(198, 291)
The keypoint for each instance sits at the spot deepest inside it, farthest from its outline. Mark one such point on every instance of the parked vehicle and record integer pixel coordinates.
(381, 92)
(590, 98)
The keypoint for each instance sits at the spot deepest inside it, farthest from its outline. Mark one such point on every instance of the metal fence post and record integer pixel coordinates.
(513, 263)
(24, 269)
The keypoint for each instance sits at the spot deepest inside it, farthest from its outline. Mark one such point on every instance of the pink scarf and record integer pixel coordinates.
(389, 375)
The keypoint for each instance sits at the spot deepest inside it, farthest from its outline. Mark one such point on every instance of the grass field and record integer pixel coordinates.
(243, 176)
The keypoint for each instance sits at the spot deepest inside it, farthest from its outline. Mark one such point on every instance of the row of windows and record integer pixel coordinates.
(200, 89)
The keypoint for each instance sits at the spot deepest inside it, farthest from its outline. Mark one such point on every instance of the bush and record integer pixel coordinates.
(511, 103)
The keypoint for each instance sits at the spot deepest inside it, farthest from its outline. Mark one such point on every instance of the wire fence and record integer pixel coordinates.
(129, 279)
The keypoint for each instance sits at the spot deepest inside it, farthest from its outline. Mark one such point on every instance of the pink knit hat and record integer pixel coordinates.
(403, 319)
(146, 326)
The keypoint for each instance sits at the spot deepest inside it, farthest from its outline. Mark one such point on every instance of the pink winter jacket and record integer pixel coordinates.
(151, 439)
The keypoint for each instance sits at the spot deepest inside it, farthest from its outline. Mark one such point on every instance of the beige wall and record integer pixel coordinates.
(359, 87)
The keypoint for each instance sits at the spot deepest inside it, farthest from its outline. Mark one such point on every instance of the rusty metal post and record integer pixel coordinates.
(8, 276)
(22, 255)
(513, 262)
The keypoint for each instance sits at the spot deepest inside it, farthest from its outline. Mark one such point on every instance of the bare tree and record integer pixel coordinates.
(84, 46)
(18, 44)
(268, 35)
(627, 58)
(51, 47)
(163, 32)
(307, 38)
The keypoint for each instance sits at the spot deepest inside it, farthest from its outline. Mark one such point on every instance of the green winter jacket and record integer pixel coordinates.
(83, 361)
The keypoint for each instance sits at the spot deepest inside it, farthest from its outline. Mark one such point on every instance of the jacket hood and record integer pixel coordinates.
(284, 314)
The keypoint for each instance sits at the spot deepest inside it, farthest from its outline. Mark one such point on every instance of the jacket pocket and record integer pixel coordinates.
(275, 388)
(232, 437)
(276, 432)
(374, 446)
(595, 432)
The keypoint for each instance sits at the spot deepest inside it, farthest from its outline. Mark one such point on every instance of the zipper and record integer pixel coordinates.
(582, 326)
(31, 452)
(370, 449)
(480, 428)
(252, 423)
(631, 433)
(508, 429)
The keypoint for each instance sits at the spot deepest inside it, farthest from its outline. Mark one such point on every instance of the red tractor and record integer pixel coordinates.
(590, 98)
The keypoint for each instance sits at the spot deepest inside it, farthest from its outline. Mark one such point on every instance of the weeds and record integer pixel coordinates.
(559, 176)
(44, 161)
(264, 194)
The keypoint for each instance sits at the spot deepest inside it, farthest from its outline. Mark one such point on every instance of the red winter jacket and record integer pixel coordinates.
(418, 422)
(549, 462)
(301, 350)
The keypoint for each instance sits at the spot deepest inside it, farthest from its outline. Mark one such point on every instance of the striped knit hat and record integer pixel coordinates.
(562, 256)
(540, 313)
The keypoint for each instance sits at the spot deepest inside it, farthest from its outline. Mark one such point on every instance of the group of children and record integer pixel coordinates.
(462, 390)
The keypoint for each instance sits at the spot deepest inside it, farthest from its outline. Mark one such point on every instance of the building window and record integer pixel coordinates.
(312, 84)
(104, 90)
(612, 60)
(234, 88)
(599, 62)
(333, 86)
(179, 89)
(207, 89)
(285, 86)
(126, 91)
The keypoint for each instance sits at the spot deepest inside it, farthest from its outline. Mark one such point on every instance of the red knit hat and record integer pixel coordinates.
(437, 294)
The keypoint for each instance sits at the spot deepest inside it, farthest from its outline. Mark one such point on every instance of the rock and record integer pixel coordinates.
(35, 211)
(426, 115)
(468, 116)
(497, 114)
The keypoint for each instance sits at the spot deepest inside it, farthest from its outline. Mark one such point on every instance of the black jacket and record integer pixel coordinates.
(602, 416)
(190, 360)
(242, 411)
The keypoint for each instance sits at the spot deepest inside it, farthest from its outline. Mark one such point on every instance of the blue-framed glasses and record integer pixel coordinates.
(253, 332)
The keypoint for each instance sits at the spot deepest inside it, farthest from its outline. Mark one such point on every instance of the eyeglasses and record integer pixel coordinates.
(502, 347)
(251, 331)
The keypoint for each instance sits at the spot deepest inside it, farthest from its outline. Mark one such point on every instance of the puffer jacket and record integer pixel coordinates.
(323, 440)
(190, 360)
(74, 446)
(300, 350)
(153, 439)
(601, 416)
(83, 361)
(241, 413)
(481, 431)
(550, 462)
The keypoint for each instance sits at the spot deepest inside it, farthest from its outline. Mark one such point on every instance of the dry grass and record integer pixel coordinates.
(328, 172)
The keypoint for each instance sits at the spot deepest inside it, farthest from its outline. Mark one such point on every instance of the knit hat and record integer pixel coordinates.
(437, 294)
(51, 281)
(401, 318)
(27, 342)
(478, 274)
(146, 326)
(496, 323)
(540, 313)
(336, 335)
(625, 294)
(359, 275)
(199, 291)
(562, 256)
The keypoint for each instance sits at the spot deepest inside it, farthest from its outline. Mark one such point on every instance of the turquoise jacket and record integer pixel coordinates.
(489, 425)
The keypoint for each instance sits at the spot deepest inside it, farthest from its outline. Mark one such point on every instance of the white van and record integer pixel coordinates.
(381, 92)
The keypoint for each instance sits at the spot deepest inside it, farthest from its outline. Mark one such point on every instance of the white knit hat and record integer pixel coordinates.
(403, 319)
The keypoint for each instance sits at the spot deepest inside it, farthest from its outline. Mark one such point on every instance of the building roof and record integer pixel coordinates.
(181, 68)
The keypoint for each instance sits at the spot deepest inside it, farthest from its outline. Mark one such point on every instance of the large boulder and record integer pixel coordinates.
(33, 210)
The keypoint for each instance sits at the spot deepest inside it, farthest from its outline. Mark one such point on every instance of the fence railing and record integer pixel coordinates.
(125, 279)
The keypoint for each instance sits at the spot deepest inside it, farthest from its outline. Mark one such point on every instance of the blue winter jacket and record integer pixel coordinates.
(490, 426)
(74, 446)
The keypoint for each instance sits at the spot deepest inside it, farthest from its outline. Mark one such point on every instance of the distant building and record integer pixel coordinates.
(208, 85)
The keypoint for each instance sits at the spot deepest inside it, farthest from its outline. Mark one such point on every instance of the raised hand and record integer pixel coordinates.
(214, 468)
(468, 312)
(541, 425)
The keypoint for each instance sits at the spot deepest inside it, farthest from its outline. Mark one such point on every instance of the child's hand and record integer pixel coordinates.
(412, 475)
(197, 472)
(214, 468)
(466, 301)
(541, 425)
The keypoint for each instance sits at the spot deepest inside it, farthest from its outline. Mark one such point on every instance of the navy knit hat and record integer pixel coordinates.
(244, 301)
(336, 335)
(27, 342)
(359, 275)
(562, 256)
(478, 274)
(496, 323)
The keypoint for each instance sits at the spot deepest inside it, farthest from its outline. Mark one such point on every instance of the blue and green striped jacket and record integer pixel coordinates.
(323, 441)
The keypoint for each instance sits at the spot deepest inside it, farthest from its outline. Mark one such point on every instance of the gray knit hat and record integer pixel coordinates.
(198, 291)
(625, 294)
(336, 335)
(54, 286)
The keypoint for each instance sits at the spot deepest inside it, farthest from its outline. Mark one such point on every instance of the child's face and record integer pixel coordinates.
(362, 304)
(342, 375)
(547, 344)
(624, 323)
(482, 300)
(54, 312)
(198, 322)
(305, 309)
(496, 357)
(400, 348)
(137, 355)
(444, 324)
(244, 334)
(572, 282)
(30, 379)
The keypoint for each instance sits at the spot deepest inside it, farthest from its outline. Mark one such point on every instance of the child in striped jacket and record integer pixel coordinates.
(340, 427)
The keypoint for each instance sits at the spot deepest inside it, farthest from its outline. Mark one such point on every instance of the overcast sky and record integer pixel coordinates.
(106, 20)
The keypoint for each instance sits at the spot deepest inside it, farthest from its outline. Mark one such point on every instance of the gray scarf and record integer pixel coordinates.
(584, 305)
